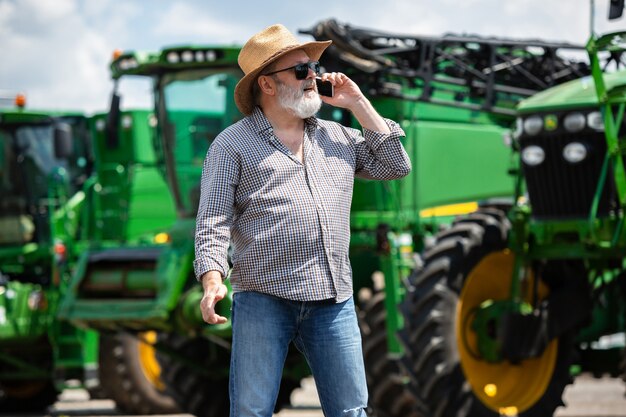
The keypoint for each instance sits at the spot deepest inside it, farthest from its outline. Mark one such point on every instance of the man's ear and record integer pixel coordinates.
(267, 85)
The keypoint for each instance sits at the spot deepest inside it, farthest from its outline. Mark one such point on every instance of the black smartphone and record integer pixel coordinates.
(324, 88)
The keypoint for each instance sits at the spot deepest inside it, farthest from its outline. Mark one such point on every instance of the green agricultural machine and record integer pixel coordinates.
(512, 301)
(153, 289)
(67, 189)
(129, 212)
(454, 96)
(45, 160)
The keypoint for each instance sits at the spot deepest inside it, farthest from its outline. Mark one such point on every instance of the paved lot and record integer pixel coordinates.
(594, 398)
(588, 397)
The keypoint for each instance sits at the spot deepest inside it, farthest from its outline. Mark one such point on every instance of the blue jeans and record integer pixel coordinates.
(326, 333)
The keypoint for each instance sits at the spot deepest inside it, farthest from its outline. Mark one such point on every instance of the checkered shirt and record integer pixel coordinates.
(288, 222)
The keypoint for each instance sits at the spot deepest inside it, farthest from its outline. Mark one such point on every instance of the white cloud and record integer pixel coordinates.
(44, 10)
(182, 20)
(7, 12)
(56, 57)
(58, 51)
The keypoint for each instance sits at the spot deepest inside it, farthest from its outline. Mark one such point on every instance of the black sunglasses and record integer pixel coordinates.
(301, 70)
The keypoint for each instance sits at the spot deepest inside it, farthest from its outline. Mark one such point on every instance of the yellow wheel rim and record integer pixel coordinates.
(147, 358)
(504, 387)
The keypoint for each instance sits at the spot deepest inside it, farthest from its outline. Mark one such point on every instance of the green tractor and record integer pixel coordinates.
(67, 188)
(410, 79)
(455, 97)
(130, 213)
(45, 160)
(512, 301)
(147, 289)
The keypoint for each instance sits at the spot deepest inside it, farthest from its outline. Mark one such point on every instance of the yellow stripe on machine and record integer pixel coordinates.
(449, 210)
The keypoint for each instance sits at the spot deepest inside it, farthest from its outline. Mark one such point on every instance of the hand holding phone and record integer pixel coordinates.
(324, 88)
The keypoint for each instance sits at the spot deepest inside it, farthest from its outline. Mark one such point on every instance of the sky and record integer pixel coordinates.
(57, 52)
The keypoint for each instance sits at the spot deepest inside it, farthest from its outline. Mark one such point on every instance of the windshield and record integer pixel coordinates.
(196, 106)
(26, 161)
(80, 162)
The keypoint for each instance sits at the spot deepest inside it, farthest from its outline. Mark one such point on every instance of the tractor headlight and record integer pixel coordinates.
(533, 125)
(128, 63)
(187, 56)
(199, 56)
(162, 238)
(594, 121)
(173, 58)
(533, 155)
(574, 152)
(574, 122)
(127, 121)
(100, 125)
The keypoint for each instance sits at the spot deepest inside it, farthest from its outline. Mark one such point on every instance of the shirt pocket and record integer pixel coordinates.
(338, 174)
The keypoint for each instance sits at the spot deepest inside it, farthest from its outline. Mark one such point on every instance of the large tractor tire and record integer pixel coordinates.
(622, 364)
(622, 367)
(389, 395)
(130, 375)
(470, 264)
(27, 396)
(196, 376)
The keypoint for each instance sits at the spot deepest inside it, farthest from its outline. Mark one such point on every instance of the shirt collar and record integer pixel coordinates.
(264, 128)
(261, 125)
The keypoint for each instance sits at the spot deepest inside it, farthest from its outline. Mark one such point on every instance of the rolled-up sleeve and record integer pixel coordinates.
(220, 175)
(381, 156)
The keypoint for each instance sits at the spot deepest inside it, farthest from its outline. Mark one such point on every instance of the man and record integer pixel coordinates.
(278, 185)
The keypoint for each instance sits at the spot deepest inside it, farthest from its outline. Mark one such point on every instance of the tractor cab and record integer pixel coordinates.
(193, 90)
(195, 108)
(44, 159)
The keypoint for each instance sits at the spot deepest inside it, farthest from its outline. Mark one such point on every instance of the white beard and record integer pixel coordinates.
(295, 101)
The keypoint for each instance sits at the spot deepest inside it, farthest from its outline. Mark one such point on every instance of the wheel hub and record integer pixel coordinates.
(499, 383)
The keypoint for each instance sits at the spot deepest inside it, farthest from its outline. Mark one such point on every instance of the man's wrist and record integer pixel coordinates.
(215, 276)
(368, 117)
(361, 104)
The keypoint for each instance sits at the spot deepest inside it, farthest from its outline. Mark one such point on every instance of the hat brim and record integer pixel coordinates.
(243, 89)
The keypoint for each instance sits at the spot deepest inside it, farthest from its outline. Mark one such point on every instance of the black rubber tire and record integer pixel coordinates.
(389, 395)
(97, 393)
(622, 367)
(27, 396)
(123, 380)
(429, 309)
(622, 364)
(204, 395)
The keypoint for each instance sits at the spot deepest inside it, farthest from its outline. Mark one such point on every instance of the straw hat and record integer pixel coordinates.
(261, 50)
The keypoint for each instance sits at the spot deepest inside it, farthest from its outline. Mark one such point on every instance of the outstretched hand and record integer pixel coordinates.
(214, 291)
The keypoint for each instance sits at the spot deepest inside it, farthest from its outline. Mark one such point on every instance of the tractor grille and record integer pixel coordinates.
(561, 189)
